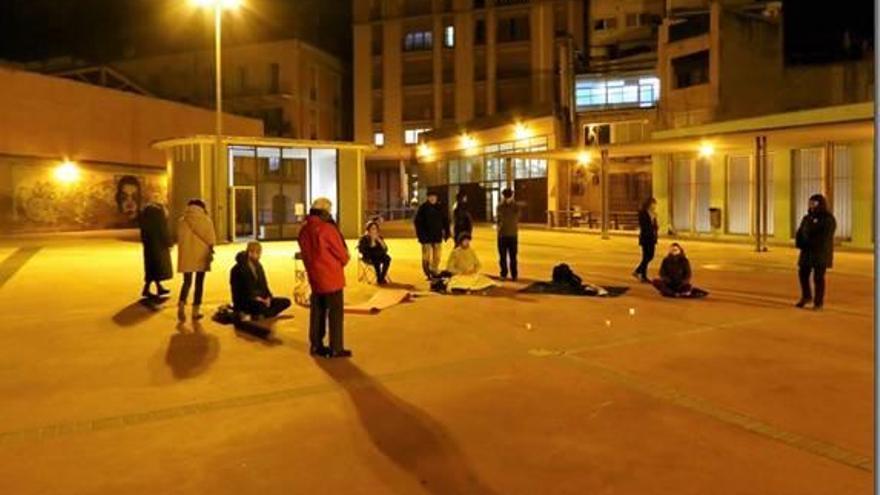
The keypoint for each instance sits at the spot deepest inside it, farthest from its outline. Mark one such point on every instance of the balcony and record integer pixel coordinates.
(689, 26)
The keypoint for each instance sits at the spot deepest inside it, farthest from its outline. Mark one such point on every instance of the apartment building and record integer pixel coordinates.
(450, 66)
(296, 89)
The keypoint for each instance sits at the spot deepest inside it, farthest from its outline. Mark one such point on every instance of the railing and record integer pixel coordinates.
(592, 220)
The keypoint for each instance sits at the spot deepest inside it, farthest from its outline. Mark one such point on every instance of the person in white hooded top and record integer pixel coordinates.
(195, 252)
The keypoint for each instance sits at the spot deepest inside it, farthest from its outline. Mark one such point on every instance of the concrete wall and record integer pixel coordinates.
(57, 118)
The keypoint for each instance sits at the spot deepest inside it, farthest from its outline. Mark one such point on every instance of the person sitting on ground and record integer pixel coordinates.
(374, 252)
(463, 267)
(250, 290)
(675, 275)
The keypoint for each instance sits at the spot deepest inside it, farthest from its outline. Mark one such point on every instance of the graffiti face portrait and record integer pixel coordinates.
(128, 196)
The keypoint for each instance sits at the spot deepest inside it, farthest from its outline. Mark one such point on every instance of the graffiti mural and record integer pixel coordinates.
(98, 200)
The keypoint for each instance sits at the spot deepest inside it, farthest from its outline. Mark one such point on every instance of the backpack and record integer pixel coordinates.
(563, 275)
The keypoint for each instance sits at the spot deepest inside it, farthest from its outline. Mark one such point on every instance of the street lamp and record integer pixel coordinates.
(219, 6)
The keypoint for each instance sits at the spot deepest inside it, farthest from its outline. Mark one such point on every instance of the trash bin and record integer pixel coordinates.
(715, 218)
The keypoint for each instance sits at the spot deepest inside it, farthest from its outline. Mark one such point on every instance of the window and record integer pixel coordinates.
(631, 92)
(513, 29)
(449, 36)
(842, 187)
(480, 32)
(417, 41)
(606, 24)
(691, 70)
(691, 180)
(411, 136)
(632, 20)
(379, 138)
(598, 134)
(739, 194)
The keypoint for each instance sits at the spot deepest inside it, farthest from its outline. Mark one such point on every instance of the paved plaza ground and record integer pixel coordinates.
(503, 393)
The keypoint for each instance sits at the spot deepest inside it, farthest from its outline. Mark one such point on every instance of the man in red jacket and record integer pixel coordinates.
(325, 255)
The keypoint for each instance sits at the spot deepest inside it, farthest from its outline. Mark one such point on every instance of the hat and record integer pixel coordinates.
(322, 204)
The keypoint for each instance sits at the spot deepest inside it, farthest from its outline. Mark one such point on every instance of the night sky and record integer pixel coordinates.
(98, 31)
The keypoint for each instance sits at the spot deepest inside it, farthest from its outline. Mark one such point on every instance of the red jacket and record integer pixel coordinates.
(324, 255)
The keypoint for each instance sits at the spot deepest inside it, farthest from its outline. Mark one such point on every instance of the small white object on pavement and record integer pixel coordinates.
(528, 326)
(632, 311)
(607, 323)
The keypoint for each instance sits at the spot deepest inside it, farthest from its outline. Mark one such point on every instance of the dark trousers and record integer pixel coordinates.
(647, 256)
(324, 308)
(671, 290)
(187, 283)
(507, 248)
(818, 280)
(275, 307)
(380, 263)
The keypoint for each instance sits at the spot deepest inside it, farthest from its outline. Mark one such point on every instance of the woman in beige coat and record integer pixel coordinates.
(195, 251)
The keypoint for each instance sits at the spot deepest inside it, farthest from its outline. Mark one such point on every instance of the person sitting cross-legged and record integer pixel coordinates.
(463, 268)
(250, 290)
(675, 275)
(374, 252)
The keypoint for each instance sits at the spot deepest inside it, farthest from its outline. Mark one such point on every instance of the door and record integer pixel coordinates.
(244, 207)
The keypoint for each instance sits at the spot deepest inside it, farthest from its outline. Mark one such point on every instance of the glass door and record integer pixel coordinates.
(244, 207)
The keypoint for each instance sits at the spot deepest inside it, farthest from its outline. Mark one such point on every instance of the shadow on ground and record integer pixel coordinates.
(137, 312)
(191, 351)
(406, 435)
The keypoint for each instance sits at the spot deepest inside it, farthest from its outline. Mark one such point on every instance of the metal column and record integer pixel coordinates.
(761, 208)
(605, 193)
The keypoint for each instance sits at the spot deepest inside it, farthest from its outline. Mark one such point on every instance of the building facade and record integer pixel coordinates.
(452, 65)
(297, 90)
(75, 156)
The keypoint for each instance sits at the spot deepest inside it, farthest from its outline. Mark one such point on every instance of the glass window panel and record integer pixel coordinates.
(323, 176)
(739, 195)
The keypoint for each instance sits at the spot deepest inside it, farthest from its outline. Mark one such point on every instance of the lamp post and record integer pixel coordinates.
(218, 6)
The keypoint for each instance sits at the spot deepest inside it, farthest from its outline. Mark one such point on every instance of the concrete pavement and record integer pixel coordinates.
(505, 393)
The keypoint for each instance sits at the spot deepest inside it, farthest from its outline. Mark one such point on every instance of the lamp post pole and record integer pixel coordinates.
(218, 103)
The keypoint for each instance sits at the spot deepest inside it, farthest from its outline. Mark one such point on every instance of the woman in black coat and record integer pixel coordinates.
(462, 222)
(675, 275)
(374, 251)
(157, 248)
(647, 237)
(815, 239)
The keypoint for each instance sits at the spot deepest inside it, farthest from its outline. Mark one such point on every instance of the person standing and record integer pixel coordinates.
(195, 252)
(648, 234)
(153, 223)
(815, 240)
(432, 229)
(374, 251)
(324, 255)
(462, 221)
(507, 218)
(250, 289)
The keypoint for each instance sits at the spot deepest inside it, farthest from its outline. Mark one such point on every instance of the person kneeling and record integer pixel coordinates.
(463, 267)
(675, 275)
(374, 252)
(250, 290)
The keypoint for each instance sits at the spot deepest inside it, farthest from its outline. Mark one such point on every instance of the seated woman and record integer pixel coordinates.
(374, 251)
(463, 267)
(675, 275)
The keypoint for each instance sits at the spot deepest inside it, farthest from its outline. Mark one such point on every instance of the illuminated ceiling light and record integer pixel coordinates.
(424, 150)
(584, 158)
(706, 150)
(467, 142)
(521, 131)
(67, 172)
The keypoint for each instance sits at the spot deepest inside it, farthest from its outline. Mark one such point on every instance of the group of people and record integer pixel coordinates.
(814, 239)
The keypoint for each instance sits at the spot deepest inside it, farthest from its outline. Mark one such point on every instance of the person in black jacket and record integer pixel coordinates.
(462, 222)
(432, 229)
(156, 242)
(250, 289)
(374, 251)
(675, 275)
(647, 237)
(815, 239)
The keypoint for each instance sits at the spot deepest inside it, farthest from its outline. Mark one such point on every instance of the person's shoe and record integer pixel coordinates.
(197, 313)
(146, 293)
(818, 307)
(638, 276)
(342, 353)
(162, 291)
(803, 302)
(181, 311)
(320, 351)
(645, 280)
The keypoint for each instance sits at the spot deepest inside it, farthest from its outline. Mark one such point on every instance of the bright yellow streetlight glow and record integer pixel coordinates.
(521, 131)
(67, 172)
(223, 4)
(424, 150)
(706, 150)
(467, 142)
(584, 158)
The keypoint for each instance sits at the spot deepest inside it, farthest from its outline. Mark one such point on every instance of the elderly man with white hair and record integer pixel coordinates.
(324, 255)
